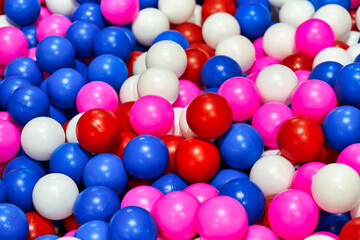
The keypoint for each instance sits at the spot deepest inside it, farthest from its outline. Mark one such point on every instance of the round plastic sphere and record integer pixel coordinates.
(22, 13)
(51, 25)
(97, 94)
(47, 237)
(30, 33)
(93, 230)
(202, 191)
(13, 222)
(24, 162)
(293, 214)
(26, 68)
(296, 12)
(106, 170)
(261, 63)
(332, 222)
(187, 91)
(9, 141)
(152, 115)
(38, 225)
(8, 86)
(326, 71)
(191, 32)
(222, 217)
(148, 4)
(14, 44)
(139, 64)
(120, 12)
(323, 236)
(257, 232)
(65, 7)
(132, 223)
(351, 229)
(174, 36)
(347, 83)
(55, 52)
(328, 184)
(334, 54)
(226, 175)
(168, 183)
(90, 12)
(341, 127)
(177, 11)
(96, 203)
(70, 130)
(3, 192)
(298, 62)
(350, 156)
(54, 196)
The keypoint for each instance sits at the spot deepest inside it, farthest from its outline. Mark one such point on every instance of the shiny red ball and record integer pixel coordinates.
(172, 142)
(38, 226)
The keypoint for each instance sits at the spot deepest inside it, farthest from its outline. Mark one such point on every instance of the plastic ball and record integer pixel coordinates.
(322, 235)
(222, 217)
(13, 222)
(93, 230)
(332, 223)
(168, 183)
(90, 12)
(350, 156)
(172, 142)
(70, 131)
(261, 63)
(202, 191)
(47, 237)
(107, 170)
(38, 225)
(215, 6)
(334, 54)
(187, 91)
(52, 25)
(226, 175)
(9, 141)
(14, 44)
(3, 192)
(174, 36)
(24, 162)
(65, 7)
(140, 64)
(196, 59)
(346, 84)
(30, 33)
(191, 32)
(351, 229)
(177, 11)
(22, 13)
(120, 12)
(326, 71)
(296, 12)
(8, 86)
(257, 232)
(26, 68)
(125, 138)
(123, 115)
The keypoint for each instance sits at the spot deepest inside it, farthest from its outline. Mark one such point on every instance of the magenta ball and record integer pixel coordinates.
(54, 24)
(313, 99)
(293, 214)
(97, 94)
(328, 234)
(9, 141)
(268, 119)
(259, 47)
(312, 36)
(202, 191)
(243, 96)
(143, 196)
(351, 156)
(71, 233)
(152, 115)
(13, 44)
(175, 214)
(187, 91)
(302, 76)
(259, 232)
(222, 217)
(263, 62)
(120, 12)
(32, 53)
(44, 12)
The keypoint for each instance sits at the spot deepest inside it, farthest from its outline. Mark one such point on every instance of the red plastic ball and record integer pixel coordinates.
(191, 31)
(353, 20)
(341, 44)
(298, 61)
(172, 142)
(214, 6)
(204, 47)
(2, 6)
(70, 223)
(135, 182)
(351, 230)
(123, 115)
(300, 139)
(125, 138)
(209, 115)
(98, 130)
(197, 160)
(130, 62)
(326, 155)
(38, 226)
(195, 61)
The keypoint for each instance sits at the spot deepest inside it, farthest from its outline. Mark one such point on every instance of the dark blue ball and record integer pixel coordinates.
(344, 3)
(57, 114)
(347, 84)
(130, 34)
(148, 4)
(93, 230)
(315, 3)
(90, 12)
(13, 222)
(263, 2)
(43, 85)
(168, 183)
(24, 67)
(214, 90)
(81, 67)
(47, 237)
(326, 71)
(3, 192)
(30, 34)
(22, 12)
(24, 162)
(226, 175)
(174, 36)
(333, 223)
(133, 223)
(7, 88)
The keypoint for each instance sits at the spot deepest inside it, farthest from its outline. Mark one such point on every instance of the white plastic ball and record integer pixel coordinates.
(160, 82)
(71, 128)
(354, 51)
(335, 54)
(276, 83)
(184, 127)
(269, 152)
(63, 7)
(140, 65)
(128, 91)
(218, 27)
(296, 12)
(278, 3)
(54, 196)
(175, 130)
(355, 212)
(279, 40)
(4, 22)
(338, 18)
(177, 11)
(40, 137)
(238, 48)
(196, 17)
(319, 237)
(353, 38)
(168, 55)
(272, 174)
(357, 18)
(336, 188)
(149, 23)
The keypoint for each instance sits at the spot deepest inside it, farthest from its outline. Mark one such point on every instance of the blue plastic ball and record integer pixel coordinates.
(24, 162)
(214, 90)
(130, 35)
(22, 12)
(81, 67)
(249, 195)
(106, 169)
(133, 223)
(341, 127)
(226, 175)
(7, 88)
(347, 84)
(108, 68)
(344, 3)
(30, 34)
(55, 52)
(174, 36)
(57, 114)
(333, 223)
(3, 192)
(43, 85)
(326, 71)
(24, 67)
(47, 237)
(93, 230)
(90, 12)
(27, 103)
(63, 87)
(85, 1)
(148, 4)
(168, 183)
(69, 159)
(217, 70)
(96, 203)
(146, 157)
(263, 2)
(13, 222)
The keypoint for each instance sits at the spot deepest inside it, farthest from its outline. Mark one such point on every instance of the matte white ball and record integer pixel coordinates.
(184, 127)
(218, 27)
(353, 38)
(296, 12)
(278, 3)
(175, 130)
(63, 7)
(54, 196)
(338, 18)
(140, 64)
(336, 188)
(335, 54)
(276, 83)
(4, 22)
(238, 48)
(319, 237)
(272, 174)
(275, 152)
(149, 23)
(354, 51)
(279, 40)
(177, 11)
(128, 91)
(196, 17)
(160, 82)
(40, 137)
(71, 129)
(355, 212)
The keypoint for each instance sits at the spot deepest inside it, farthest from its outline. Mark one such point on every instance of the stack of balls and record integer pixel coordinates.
(180, 119)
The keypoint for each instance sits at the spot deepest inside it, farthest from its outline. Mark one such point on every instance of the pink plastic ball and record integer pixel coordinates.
(268, 119)
(354, 4)
(152, 115)
(222, 217)
(243, 96)
(252, 77)
(304, 176)
(71, 233)
(143, 196)
(187, 91)
(120, 12)
(175, 214)
(44, 12)
(312, 36)
(351, 156)
(5, 116)
(263, 62)
(54, 24)
(9, 140)
(97, 94)
(258, 232)
(32, 53)
(313, 99)
(13, 44)
(329, 234)
(293, 214)
(259, 48)
(302, 76)
(202, 191)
